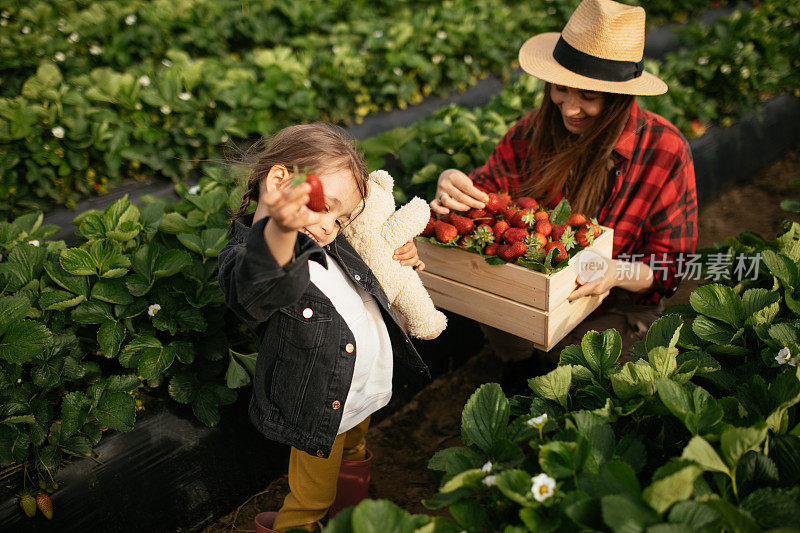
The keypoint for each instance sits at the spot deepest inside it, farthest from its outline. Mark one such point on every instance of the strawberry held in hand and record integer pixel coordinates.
(316, 196)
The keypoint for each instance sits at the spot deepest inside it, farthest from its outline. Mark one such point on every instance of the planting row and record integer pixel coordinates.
(699, 432)
(78, 111)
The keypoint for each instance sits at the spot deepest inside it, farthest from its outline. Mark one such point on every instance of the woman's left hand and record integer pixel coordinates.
(407, 255)
(597, 280)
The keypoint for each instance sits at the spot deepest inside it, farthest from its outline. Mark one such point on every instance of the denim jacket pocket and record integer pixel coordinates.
(306, 326)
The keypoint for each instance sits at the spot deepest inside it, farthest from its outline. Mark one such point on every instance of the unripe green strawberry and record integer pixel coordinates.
(45, 505)
(28, 504)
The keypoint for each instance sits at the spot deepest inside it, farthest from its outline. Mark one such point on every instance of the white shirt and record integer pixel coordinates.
(371, 387)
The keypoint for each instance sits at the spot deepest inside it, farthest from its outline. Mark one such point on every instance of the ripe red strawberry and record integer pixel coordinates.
(499, 228)
(45, 505)
(476, 213)
(576, 219)
(428, 231)
(541, 215)
(491, 248)
(495, 203)
(510, 252)
(536, 240)
(586, 235)
(464, 225)
(445, 232)
(510, 213)
(513, 235)
(561, 254)
(505, 197)
(558, 231)
(28, 504)
(544, 227)
(526, 218)
(526, 202)
(316, 198)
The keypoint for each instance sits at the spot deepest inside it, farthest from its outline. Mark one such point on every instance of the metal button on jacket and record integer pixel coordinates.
(320, 453)
(308, 312)
(349, 348)
(358, 278)
(336, 405)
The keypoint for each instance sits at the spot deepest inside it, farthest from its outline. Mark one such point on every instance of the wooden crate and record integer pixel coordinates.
(526, 303)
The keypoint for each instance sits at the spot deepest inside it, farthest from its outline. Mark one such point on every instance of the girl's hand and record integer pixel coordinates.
(287, 208)
(407, 255)
(455, 191)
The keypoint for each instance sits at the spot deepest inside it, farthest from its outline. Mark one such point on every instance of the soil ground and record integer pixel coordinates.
(403, 443)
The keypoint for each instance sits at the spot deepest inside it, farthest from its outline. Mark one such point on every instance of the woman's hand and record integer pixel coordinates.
(407, 255)
(597, 280)
(633, 276)
(455, 191)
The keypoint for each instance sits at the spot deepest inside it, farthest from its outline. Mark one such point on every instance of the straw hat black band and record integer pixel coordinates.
(595, 67)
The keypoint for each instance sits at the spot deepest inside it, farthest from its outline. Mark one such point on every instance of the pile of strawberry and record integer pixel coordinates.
(516, 231)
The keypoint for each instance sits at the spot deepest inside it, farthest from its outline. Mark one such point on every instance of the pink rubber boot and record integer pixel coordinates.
(352, 485)
(264, 522)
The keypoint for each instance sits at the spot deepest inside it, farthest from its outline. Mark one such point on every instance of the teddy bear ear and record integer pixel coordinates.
(382, 178)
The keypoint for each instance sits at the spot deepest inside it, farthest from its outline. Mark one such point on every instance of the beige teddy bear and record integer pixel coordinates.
(375, 234)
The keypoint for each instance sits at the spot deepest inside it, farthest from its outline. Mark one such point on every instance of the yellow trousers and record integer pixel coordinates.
(312, 480)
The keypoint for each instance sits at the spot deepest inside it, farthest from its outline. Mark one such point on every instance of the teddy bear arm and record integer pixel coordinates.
(406, 223)
(423, 320)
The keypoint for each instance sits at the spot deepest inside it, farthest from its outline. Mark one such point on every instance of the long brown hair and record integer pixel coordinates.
(314, 148)
(576, 165)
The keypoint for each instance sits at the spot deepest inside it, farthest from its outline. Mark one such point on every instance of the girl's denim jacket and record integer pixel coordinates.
(303, 370)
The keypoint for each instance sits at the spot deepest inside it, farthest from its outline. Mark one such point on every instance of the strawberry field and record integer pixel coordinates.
(699, 431)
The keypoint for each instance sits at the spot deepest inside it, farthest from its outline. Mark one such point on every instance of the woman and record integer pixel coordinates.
(590, 141)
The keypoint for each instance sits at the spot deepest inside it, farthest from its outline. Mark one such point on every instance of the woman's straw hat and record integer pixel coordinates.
(600, 49)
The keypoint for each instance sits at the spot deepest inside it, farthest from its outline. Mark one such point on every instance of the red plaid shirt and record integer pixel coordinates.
(652, 205)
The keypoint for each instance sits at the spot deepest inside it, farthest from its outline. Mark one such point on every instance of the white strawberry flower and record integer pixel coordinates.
(5, 14)
(26, 30)
(185, 96)
(153, 309)
(165, 109)
(194, 189)
(468, 59)
(34, 243)
(745, 72)
(166, 62)
(543, 487)
(437, 58)
(225, 138)
(725, 69)
(58, 132)
(794, 361)
(441, 34)
(490, 481)
(538, 422)
(95, 50)
(137, 106)
(783, 356)
(702, 60)
(3, 22)
(487, 467)
(378, 34)
(59, 56)
(397, 71)
(130, 20)
(73, 37)
(144, 81)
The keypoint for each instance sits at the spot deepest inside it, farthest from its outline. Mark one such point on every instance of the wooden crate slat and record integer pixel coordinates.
(496, 311)
(520, 284)
(567, 316)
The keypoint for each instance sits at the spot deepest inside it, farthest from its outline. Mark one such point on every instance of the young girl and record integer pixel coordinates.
(328, 336)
